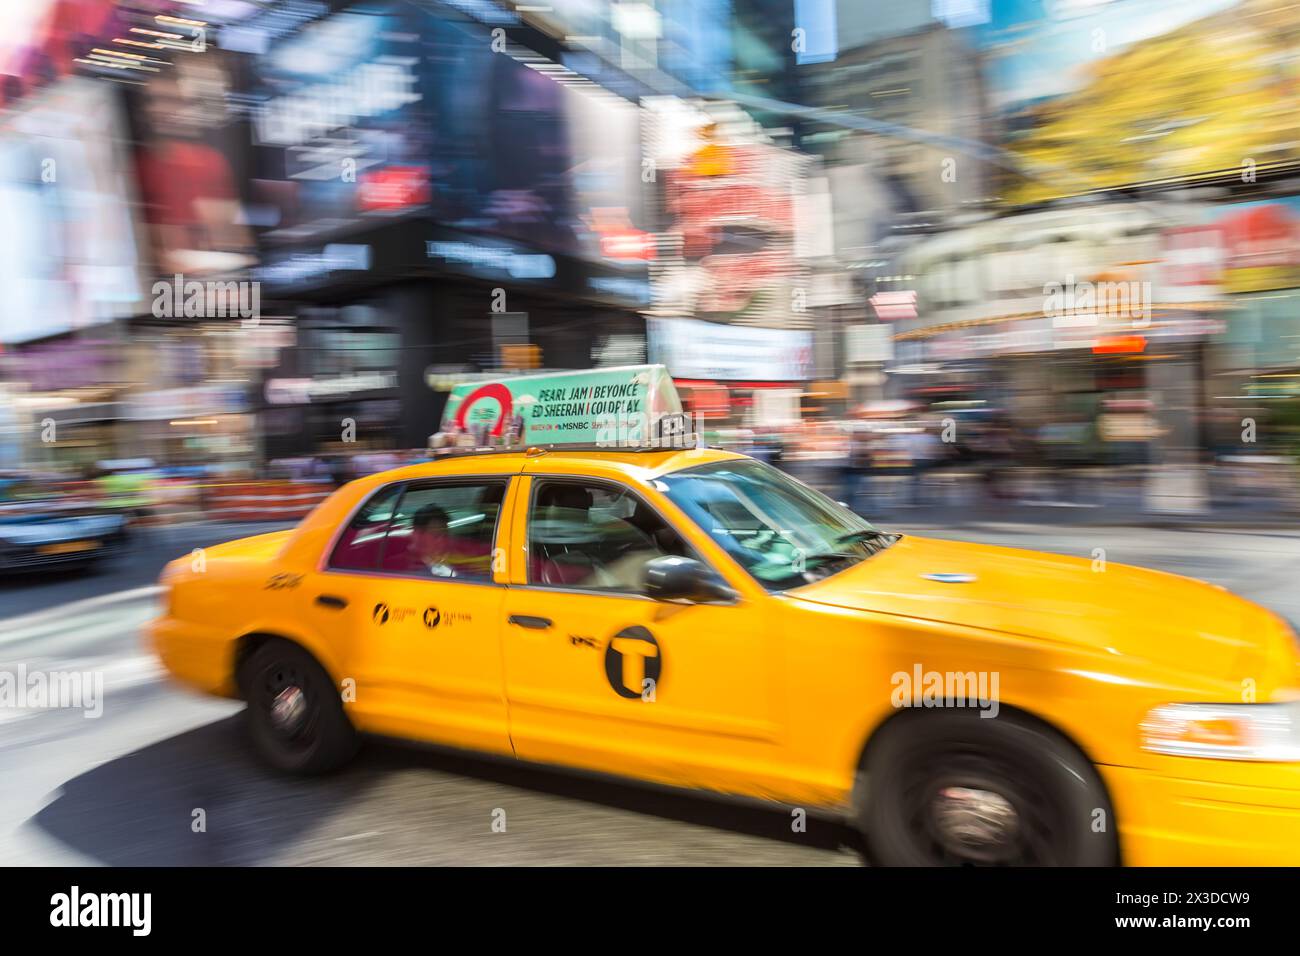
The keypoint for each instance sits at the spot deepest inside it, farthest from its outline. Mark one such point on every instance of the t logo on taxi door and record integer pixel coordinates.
(631, 659)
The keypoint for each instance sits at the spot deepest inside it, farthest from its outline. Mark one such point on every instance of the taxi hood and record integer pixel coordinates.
(1131, 612)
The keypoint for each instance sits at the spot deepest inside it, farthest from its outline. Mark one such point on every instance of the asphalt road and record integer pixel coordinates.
(150, 549)
(130, 786)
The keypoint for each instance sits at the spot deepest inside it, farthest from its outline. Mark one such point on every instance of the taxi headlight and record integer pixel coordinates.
(1225, 731)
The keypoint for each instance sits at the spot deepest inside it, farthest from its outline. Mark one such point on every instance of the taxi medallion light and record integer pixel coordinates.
(1265, 732)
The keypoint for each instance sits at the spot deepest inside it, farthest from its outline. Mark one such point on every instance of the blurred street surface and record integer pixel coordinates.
(122, 789)
(138, 566)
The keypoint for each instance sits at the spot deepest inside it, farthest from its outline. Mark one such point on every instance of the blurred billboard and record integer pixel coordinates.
(70, 258)
(387, 110)
(731, 201)
(1217, 90)
(1261, 244)
(190, 168)
(695, 349)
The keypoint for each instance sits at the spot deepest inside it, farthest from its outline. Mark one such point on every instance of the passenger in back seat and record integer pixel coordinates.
(437, 549)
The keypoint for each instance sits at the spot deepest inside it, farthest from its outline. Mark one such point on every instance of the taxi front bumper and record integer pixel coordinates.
(203, 661)
(1167, 820)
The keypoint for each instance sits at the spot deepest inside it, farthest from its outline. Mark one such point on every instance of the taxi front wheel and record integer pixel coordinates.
(295, 714)
(951, 788)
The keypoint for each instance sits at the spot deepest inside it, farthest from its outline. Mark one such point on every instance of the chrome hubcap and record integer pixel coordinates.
(976, 822)
(289, 709)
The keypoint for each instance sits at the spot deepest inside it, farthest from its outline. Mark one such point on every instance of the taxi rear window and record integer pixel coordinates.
(442, 529)
(445, 530)
(359, 546)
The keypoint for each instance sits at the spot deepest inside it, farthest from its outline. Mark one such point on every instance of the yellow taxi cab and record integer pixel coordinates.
(695, 618)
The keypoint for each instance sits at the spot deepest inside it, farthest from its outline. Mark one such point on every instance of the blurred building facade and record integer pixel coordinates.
(288, 228)
(927, 80)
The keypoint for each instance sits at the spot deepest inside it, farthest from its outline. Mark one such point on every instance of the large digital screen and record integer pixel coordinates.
(189, 175)
(1097, 94)
(69, 256)
(390, 109)
(694, 349)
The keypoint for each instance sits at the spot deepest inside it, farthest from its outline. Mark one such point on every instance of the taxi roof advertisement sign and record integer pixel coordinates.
(608, 406)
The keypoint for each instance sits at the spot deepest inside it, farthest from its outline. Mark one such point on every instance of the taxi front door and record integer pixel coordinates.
(611, 680)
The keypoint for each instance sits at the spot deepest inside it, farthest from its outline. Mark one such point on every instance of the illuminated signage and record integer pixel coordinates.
(369, 89)
(893, 306)
(497, 260)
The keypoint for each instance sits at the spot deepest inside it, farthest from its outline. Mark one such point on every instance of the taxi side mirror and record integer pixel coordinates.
(685, 581)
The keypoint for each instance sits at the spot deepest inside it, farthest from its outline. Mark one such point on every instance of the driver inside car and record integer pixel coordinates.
(562, 516)
(579, 543)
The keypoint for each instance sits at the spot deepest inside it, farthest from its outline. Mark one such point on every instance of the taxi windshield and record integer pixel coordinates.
(780, 530)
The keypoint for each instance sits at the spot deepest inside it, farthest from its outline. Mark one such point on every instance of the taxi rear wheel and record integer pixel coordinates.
(295, 713)
(951, 789)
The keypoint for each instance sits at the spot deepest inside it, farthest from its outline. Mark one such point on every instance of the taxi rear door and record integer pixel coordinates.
(422, 647)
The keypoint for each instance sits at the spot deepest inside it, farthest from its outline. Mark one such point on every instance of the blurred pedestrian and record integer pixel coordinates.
(857, 469)
(340, 470)
(923, 450)
(997, 450)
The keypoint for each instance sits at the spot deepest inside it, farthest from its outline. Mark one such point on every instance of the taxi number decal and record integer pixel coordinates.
(433, 617)
(383, 613)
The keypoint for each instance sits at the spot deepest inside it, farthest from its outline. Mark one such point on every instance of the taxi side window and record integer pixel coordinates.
(359, 546)
(445, 530)
(594, 537)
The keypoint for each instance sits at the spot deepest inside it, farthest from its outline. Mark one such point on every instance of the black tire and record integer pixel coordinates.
(295, 713)
(949, 788)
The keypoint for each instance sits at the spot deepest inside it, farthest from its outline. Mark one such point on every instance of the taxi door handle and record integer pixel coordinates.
(331, 601)
(527, 620)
